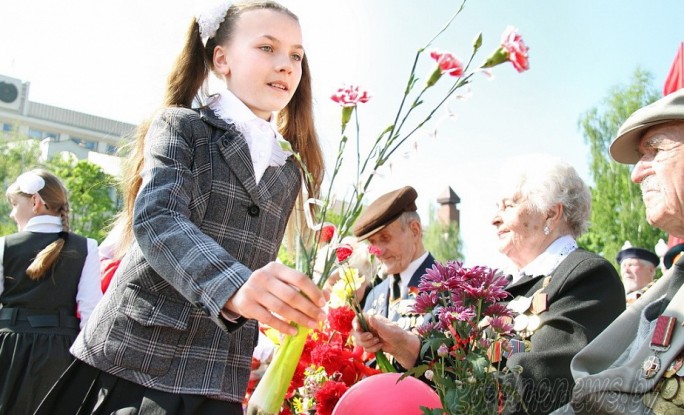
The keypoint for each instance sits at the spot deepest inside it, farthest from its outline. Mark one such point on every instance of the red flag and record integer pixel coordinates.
(675, 78)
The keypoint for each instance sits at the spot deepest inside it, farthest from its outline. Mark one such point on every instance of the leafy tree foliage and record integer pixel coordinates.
(17, 154)
(91, 191)
(618, 213)
(442, 240)
(91, 196)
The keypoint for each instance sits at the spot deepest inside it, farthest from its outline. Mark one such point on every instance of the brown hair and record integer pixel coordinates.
(295, 121)
(56, 199)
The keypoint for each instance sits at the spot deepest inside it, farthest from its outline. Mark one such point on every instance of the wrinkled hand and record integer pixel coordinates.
(276, 295)
(389, 337)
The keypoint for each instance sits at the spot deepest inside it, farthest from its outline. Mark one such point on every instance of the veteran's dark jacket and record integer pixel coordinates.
(201, 224)
(585, 295)
(609, 374)
(378, 298)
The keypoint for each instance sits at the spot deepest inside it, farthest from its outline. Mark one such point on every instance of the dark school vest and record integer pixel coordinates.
(54, 291)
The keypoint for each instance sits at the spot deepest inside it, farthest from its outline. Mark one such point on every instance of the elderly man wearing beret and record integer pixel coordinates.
(392, 225)
(636, 365)
(637, 269)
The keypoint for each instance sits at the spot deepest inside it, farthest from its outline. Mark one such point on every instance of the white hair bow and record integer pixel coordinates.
(210, 18)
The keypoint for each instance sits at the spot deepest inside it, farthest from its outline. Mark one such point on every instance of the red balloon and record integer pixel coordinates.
(382, 394)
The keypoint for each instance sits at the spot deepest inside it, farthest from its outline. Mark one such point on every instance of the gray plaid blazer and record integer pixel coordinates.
(201, 224)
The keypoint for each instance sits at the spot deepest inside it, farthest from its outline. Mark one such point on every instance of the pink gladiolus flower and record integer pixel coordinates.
(513, 44)
(350, 96)
(448, 63)
(343, 252)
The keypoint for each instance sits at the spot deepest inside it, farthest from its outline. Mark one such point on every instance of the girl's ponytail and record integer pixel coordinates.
(183, 83)
(54, 194)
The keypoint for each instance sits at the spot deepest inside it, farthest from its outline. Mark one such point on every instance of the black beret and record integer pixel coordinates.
(672, 255)
(384, 211)
(638, 253)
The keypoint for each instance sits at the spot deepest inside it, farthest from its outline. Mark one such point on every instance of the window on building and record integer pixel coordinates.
(40, 134)
(111, 149)
(8, 128)
(87, 144)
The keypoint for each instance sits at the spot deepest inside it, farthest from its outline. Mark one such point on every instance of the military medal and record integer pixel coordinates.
(516, 346)
(520, 304)
(520, 322)
(650, 367)
(670, 388)
(533, 323)
(660, 342)
(674, 367)
(679, 398)
(539, 303)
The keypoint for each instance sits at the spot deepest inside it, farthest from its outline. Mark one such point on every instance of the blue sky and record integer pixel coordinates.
(111, 59)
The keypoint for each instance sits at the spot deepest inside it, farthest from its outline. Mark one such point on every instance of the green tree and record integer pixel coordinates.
(442, 240)
(17, 155)
(91, 195)
(618, 213)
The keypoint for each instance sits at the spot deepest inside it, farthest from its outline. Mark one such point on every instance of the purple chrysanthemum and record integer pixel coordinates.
(425, 329)
(448, 315)
(425, 302)
(498, 310)
(501, 325)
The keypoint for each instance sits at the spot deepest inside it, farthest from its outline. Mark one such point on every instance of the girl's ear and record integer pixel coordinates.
(221, 61)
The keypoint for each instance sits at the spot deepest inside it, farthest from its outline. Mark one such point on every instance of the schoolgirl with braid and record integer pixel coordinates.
(207, 199)
(51, 275)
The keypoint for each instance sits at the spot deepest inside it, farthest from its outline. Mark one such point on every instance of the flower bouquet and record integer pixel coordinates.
(330, 364)
(466, 333)
(270, 393)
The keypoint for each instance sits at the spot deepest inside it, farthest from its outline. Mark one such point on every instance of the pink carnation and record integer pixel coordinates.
(513, 44)
(350, 96)
(448, 63)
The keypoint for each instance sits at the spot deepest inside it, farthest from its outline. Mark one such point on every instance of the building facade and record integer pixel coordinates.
(59, 130)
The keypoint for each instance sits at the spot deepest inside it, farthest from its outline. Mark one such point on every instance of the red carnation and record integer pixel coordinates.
(343, 252)
(327, 233)
(340, 319)
(330, 356)
(328, 396)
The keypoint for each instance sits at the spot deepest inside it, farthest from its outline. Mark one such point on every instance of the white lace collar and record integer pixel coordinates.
(548, 261)
(261, 136)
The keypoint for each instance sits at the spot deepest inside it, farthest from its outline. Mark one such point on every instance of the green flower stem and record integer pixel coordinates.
(269, 394)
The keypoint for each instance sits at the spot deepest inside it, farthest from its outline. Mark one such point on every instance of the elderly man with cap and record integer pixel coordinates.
(635, 366)
(637, 269)
(392, 225)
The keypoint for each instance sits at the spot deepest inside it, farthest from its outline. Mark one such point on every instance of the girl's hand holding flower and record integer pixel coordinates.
(276, 295)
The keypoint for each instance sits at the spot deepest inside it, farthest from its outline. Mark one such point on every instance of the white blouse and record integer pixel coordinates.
(89, 290)
(261, 135)
(549, 260)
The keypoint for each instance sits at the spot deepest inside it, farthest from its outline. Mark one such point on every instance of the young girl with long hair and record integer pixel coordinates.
(49, 274)
(208, 200)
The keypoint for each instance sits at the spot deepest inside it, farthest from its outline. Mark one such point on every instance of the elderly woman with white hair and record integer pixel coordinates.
(562, 296)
